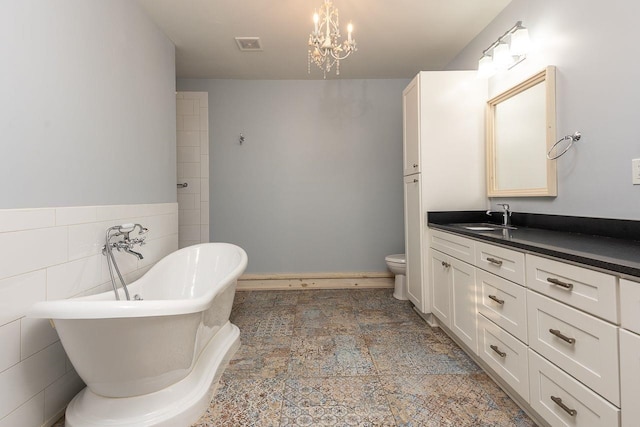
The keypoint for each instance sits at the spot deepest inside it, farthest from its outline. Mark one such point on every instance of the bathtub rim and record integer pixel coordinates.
(88, 308)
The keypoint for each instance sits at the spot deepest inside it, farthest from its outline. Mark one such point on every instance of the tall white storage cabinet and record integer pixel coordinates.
(444, 164)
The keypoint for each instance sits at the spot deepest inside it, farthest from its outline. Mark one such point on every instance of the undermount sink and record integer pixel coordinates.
(484, 226)
(479, 228)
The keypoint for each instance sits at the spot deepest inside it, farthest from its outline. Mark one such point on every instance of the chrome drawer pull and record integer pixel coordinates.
(500, 353)
(567, 286)
(564, 407)
(561, 336)
(494, 261)
(446, 264)
(496, 299)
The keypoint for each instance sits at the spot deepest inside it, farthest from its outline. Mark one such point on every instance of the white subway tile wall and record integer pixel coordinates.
(55, 253)
(192, 124)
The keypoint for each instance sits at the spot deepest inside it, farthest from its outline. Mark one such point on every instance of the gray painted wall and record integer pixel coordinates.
(593, 45)
(87, 112)
(317, 185)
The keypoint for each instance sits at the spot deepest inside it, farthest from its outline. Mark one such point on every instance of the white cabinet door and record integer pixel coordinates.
(630, 305)
(439, 266)
(411, 127)
(463, 296)
(629, 378)
(413, 240)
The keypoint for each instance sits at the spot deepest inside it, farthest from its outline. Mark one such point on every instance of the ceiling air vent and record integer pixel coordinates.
(249, 44)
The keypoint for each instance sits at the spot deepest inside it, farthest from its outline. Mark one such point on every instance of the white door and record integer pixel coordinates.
(413, 241)
(439, 267)
(463, 296)
(411, 127)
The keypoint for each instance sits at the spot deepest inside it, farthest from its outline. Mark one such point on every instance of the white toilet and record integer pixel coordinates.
(397, 263)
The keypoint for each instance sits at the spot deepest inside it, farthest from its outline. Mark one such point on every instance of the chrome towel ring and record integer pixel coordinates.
(571, 138)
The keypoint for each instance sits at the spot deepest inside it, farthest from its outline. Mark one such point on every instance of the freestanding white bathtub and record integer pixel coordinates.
(153, 362)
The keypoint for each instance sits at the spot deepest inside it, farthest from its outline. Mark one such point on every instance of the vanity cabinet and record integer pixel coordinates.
(546, 329)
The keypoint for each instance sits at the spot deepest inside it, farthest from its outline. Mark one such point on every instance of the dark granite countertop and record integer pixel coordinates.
(612, 245)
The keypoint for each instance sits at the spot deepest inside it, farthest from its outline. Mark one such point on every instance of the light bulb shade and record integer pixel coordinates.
(520, 42)
(502, 56)
(485, 67)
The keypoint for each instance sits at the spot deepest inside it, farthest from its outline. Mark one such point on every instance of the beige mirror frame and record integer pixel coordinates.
(521, 128)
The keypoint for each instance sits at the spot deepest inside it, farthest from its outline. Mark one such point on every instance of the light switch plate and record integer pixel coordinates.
(635, 170)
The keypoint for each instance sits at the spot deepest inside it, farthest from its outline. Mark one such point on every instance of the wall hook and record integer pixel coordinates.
(241, 139)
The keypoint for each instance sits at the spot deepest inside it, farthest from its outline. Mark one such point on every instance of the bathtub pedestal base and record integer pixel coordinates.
(180, 404)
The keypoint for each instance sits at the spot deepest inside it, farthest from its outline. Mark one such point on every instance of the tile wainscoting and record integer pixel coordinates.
(192, 125)
(55, 253)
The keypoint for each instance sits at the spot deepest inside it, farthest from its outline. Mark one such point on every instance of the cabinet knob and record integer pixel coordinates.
(446, 264)
(415, 180)
(415, 165)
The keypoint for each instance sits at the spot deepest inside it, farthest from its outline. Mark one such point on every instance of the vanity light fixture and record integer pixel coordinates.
(508, 50)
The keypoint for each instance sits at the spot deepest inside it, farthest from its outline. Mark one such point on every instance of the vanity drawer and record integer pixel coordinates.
(630, 305)
(502, 302)
(505, 355)
(451, 244)
(588, 290)
(547, 381)
(500, 261)
(582, 345)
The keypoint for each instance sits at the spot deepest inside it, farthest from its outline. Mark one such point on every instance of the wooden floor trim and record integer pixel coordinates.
(302, 281)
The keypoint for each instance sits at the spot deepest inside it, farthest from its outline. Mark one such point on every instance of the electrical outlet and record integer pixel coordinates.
(635, 171)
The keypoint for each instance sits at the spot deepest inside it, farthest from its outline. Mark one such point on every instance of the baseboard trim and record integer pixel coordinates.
(302, 281)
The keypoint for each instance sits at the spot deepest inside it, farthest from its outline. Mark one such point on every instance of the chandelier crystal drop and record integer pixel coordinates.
(325, 49)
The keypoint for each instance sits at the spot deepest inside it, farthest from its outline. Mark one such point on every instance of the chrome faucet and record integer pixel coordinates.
(132, 252)
(124, 245)
(506, 214)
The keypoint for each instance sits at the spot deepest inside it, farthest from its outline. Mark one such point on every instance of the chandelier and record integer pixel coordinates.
(325, 49)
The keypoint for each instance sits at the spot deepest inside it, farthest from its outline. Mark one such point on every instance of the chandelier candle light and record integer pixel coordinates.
(325, 48)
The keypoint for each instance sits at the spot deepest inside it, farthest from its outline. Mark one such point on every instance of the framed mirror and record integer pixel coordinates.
(521, 128)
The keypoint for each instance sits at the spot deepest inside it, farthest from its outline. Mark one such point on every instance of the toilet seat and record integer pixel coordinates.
(396, 259)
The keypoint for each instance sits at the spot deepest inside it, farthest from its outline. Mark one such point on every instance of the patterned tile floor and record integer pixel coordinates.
(349, 358)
